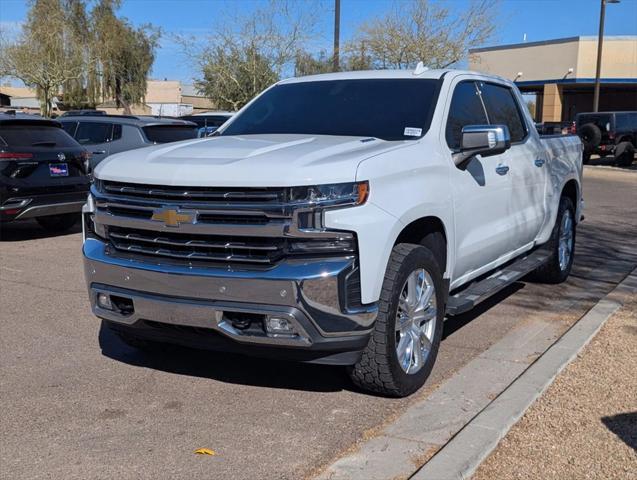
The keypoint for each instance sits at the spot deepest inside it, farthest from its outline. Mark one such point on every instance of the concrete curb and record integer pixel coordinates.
(611, 168)
(464, 453)
(456, 427)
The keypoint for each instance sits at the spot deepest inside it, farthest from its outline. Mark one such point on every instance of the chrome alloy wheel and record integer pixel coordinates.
(415, 320)
(566, 237)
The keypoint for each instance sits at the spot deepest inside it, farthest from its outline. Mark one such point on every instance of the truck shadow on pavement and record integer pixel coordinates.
(624, 425)
(30, 230)
(255, 371)
(230, 368)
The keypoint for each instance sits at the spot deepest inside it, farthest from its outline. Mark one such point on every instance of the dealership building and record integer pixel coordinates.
(559, 75)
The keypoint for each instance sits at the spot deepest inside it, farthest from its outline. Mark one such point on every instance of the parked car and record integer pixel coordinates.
(208, 122)
(42, 172)
(105, 135)
(335, 219)
(608, 133)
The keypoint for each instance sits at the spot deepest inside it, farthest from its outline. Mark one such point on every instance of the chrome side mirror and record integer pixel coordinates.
(482, 140)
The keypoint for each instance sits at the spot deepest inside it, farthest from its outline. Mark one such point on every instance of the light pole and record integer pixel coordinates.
(337, 32)
(600, 40)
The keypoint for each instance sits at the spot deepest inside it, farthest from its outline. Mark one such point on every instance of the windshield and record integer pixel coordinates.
(391, 109)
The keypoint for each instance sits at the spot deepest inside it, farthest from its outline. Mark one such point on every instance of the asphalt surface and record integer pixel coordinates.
(80, 404)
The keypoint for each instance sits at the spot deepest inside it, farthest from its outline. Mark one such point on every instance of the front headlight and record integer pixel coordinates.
(334, 195)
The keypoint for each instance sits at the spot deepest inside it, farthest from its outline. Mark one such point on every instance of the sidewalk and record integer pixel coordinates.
(585, 425)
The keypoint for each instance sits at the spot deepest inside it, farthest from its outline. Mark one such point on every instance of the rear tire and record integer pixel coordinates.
(591, 136)
(624, 154)
(404, 344)
(58, 223)
(561, 246)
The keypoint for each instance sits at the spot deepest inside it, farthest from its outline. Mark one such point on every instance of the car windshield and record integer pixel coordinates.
(26, 135)
(390, 109)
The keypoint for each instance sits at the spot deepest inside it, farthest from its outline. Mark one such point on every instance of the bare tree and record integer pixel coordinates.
(421, 31)
(125, 54)
(246, 54)
(40, 57)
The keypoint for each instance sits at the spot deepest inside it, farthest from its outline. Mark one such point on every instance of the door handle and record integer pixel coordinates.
(99, 152)
(539, 162)
(502, 169)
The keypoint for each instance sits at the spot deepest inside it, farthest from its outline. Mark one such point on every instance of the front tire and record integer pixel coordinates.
(404, 344)
(561, 246)
(58, 223)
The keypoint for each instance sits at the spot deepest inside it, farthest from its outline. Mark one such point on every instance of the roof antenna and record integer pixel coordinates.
(420, 68)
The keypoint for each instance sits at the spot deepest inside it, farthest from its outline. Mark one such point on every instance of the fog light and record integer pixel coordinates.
(104, 301)
(279, 325)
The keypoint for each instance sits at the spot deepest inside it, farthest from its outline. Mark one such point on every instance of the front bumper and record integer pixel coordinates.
(41, 205)
(196, 306)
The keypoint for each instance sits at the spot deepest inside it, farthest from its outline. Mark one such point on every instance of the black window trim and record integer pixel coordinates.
(475, 81)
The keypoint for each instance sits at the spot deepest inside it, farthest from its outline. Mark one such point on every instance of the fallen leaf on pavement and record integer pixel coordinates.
(205, 451)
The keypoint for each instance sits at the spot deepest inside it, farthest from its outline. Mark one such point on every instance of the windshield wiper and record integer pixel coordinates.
(44, 144)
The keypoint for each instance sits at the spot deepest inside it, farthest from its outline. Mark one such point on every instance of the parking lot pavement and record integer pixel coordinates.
(77, 404)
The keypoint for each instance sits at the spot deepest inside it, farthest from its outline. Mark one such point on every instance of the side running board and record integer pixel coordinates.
(467, 298)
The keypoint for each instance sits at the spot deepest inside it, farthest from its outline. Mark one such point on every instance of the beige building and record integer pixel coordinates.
(163, 97)
(561, 73)
(169, 98)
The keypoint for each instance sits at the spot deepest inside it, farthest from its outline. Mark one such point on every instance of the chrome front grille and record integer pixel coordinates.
(228, 227)
(209, 195)
(211, 248)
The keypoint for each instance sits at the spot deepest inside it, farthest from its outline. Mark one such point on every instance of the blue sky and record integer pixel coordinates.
(538, 19)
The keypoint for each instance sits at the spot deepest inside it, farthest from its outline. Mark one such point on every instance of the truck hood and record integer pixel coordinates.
(251, 160)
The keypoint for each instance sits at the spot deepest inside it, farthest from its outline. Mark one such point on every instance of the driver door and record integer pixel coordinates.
(481, 191)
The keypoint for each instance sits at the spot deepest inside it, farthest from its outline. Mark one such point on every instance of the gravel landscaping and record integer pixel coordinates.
(585, 425)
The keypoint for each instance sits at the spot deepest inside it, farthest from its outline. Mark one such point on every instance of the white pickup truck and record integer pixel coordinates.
(337, 219)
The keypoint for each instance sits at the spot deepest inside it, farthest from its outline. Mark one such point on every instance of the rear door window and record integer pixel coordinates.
(466, 109)
(170, 133)
(503, 109)
(93, 133)
(17, 135)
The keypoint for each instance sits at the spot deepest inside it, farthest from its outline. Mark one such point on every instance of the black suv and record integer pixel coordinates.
(608, 133)
(42, 172)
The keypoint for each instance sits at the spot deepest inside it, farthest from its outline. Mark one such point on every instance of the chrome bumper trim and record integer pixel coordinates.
(310, 286)
(52, 209)
(191, 313)
(15, 204)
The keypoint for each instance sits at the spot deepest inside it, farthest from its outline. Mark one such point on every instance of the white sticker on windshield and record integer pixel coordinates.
(412, 132)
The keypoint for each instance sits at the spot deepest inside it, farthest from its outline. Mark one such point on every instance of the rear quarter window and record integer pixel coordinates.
(170, 133)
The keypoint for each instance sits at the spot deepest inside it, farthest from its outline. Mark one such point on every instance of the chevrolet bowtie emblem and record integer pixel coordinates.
(172, 217)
